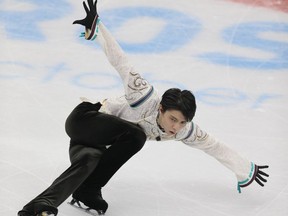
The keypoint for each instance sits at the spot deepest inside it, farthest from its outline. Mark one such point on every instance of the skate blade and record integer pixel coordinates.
(76, 204)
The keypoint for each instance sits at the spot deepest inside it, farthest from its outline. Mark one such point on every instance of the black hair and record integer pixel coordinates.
(183, 101)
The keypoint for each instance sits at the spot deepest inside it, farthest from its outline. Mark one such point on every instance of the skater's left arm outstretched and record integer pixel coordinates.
(246, 171)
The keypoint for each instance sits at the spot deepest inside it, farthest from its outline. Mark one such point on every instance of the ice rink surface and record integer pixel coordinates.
(232, 54)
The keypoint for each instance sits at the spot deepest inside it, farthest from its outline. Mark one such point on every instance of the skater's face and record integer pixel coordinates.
(172, 121)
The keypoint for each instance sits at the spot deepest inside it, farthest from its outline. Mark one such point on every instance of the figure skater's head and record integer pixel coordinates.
(177, 107)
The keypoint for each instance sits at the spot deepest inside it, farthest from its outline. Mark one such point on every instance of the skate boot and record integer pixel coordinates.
(50, 211)
(24, 213)
(91, 198)
(45, 213)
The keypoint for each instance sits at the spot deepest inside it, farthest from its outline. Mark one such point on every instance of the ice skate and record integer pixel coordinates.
(90, 202)
(75, 203)
(44, 213)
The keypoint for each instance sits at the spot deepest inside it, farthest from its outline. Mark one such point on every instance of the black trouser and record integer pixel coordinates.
(92, 162)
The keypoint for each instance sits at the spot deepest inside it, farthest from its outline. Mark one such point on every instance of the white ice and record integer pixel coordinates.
(42, 78)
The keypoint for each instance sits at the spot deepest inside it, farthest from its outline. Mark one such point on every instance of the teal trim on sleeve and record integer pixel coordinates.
(243, 183)
(82, 34)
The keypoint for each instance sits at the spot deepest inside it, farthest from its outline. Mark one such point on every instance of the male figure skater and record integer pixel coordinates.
(105, 135)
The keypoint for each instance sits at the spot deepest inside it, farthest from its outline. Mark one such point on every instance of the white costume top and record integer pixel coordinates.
(141, 103)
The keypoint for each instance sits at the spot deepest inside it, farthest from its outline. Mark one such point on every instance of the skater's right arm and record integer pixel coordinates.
(137, 89)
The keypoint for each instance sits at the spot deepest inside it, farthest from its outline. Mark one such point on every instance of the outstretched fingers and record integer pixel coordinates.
(263, 167)
(82, 21)
(263, 173)
(92, 6)
(95, 3)
(85, 7)
(259, 182)
(259, 176)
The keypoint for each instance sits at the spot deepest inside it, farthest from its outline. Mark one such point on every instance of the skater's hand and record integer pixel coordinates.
(91, 14)
(258, 177)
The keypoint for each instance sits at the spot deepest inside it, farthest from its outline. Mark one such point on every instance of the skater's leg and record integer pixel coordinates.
(124, 138)
(90, 128)
(113, 158)
(94, 129)
(116, 156)
(84, 160)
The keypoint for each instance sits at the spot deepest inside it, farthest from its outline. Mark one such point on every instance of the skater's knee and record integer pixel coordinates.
(138, 138)
(89, 157)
